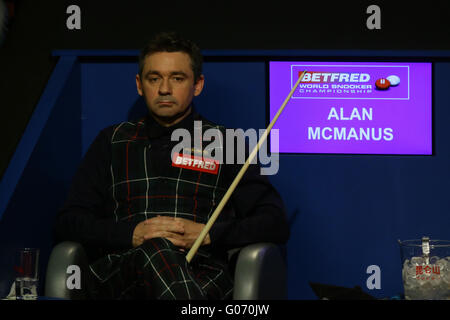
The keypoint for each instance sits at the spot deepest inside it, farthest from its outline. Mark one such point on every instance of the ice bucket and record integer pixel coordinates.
(425, 269)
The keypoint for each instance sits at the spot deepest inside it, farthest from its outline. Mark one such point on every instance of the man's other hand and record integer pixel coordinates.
(191, 232)
(181, 232)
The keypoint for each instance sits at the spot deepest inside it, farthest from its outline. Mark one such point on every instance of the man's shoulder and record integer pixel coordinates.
(208, 124)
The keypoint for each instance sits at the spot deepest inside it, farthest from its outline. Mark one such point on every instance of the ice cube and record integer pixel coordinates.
(434, 260)
(406, 263)
(417, 261)
(409, 272)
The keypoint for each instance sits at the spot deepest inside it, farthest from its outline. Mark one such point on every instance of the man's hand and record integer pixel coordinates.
(191, 232)
(181, 232)
(158, 227)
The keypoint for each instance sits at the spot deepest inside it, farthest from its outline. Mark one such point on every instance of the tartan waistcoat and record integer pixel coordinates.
(146, 184)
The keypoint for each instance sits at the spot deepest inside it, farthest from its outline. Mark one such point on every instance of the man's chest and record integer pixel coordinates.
(149, 178)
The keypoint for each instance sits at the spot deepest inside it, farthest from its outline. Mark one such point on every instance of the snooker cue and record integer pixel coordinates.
(236, 180)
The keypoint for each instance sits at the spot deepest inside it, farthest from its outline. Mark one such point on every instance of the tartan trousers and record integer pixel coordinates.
(159, 270)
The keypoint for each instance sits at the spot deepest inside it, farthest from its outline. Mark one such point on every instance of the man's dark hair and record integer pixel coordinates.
(173, 42)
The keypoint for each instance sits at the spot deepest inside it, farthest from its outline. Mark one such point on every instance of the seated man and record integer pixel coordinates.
(138, 213)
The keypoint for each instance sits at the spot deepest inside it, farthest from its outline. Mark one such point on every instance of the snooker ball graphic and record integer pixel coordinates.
(394, 80)
(382, 84)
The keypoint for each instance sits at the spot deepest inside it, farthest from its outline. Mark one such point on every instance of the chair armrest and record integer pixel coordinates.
(260, 273)
(63, 255)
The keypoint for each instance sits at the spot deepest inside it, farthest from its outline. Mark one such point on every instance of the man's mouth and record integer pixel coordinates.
(166, 102)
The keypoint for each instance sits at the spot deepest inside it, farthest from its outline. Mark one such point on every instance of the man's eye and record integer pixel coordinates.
(178, 78)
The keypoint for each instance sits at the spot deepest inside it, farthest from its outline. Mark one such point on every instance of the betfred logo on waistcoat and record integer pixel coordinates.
(195, 163)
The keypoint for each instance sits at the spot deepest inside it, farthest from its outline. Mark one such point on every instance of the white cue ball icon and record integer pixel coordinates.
(394, 80)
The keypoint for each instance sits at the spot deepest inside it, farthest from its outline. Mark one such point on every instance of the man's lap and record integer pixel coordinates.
(159, 270)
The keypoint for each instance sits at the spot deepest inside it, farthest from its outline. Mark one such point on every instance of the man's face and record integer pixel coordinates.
(167, 84)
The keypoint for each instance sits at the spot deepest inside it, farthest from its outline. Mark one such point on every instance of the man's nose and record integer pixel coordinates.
(165, 87)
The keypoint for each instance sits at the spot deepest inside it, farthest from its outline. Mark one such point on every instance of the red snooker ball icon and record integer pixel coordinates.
(382, 84)
(386, 83)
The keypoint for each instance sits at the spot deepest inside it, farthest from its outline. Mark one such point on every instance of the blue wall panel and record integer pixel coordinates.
(108, 95)
(234, 94)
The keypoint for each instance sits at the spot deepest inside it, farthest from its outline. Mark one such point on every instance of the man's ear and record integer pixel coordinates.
(198, 86)
(139, 85)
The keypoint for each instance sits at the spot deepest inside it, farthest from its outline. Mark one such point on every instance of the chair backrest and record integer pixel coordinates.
(64, 255)
(260, 273)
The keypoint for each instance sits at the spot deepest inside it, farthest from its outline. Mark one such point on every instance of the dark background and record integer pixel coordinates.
(39, 26)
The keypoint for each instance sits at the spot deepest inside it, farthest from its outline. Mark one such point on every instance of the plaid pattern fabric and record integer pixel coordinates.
(144, 184)
(159, 270)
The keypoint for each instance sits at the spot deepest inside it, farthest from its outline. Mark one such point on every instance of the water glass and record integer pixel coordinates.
(27, 274)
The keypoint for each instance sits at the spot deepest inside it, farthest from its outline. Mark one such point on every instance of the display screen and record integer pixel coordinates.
(352, 107)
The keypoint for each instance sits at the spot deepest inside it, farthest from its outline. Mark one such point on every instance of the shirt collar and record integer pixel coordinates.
(155, 130)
